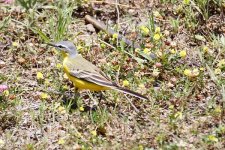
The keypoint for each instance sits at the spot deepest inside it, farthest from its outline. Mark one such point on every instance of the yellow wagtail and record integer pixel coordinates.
(83, 73)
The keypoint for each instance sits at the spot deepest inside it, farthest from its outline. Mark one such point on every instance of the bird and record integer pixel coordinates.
(84, 74)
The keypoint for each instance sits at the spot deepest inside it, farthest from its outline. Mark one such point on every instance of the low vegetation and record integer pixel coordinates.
(179, 64)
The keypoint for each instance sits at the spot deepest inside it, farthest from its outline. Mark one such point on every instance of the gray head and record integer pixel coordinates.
(65, 46)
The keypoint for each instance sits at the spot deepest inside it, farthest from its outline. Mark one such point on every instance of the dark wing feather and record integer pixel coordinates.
(92, 77)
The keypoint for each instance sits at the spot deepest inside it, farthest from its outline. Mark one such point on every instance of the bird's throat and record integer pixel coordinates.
(64, 55)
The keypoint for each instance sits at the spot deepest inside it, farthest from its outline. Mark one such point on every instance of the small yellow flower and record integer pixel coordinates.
(6, 92)
(44, 95)
(137, 50)
(141, 85)
(65, 87)
(183, 53)
(202, 69)
(15, 44)
(79, 47)
(140, 147)
(125, 82)
(221, 63)
(58, 66)
(81, 108)
(157, 14)
(217, 71)
(157, 30)
(172, 51)
(186, 2)
(115, 36)
(187, 72)
(205, 49)
(217, 110)
(94, 133)
(65, 76)
(40, 76)
(146, 51)
(144, 30)
(212, 138)
(191, 73)
(62, 110)
(156, 37)
(171, 106)
(61, 141)
(178, 115)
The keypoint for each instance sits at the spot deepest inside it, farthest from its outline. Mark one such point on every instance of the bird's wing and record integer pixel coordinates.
(85, 70)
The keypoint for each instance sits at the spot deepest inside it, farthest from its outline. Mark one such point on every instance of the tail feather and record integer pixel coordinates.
(129, 92)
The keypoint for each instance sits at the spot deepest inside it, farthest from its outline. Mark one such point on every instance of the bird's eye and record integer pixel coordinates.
(60, 46)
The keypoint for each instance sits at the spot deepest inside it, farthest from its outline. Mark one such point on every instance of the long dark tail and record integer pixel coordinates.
(100, 80)
(129, 92)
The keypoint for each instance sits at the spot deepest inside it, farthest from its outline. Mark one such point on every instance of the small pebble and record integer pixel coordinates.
(2, 64)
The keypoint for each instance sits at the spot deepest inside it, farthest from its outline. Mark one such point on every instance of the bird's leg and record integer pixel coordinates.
(77, 94)
(100, 97)
(73, 102)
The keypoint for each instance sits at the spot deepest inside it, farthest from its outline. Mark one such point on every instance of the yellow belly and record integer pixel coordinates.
(81, 84)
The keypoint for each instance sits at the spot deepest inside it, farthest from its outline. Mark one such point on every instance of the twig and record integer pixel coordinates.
(135, 108)
(122, 5)
(101, 26)
(118, 20)
(107, 44)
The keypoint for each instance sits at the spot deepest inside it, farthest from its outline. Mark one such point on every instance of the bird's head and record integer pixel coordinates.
(66, 47)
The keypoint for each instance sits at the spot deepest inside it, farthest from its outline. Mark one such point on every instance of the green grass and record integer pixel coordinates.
(179, 67)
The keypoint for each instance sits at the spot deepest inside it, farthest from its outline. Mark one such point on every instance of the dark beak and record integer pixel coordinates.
(51, 44)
